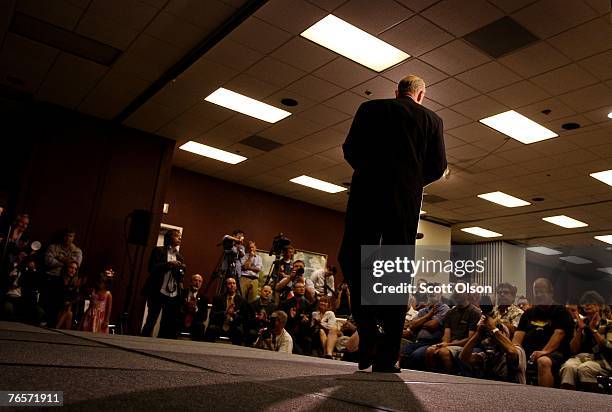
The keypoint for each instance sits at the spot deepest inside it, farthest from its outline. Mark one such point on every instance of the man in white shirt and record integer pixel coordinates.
(279, 340)
(323, 280)
(250, 266)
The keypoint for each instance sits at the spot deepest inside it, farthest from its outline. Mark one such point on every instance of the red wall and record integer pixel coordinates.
(208, 208)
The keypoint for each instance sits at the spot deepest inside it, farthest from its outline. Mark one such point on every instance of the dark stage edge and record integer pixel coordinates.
(112, 372)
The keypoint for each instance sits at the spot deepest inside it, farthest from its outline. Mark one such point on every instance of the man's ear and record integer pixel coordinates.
(396, 93)
(421, 97)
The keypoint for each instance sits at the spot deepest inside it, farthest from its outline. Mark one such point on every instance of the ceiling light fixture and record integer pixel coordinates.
(544, 250)
(518, 127)
(577, 260)
(605, 176)
(605, 238)
(564, 221)
(605, 270)
(503, 199)
(213, 153)
(245, 105)
(317, 184)
(353, 43)
(478, 231)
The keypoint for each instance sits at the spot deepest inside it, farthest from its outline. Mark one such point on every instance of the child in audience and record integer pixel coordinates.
(69, 295)
(324, 325)
(97, 316)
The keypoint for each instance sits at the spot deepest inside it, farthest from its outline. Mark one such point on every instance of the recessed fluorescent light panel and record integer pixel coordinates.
(245, 105)
(518, 127)
(605, 176)
(577, 260)
(605, 270)
(478, 231)
(605, 238)
(544, 250)
(423, 212)
(564, 221)
(503, 199)
(353, 43)
(317, 184)
(213, 153)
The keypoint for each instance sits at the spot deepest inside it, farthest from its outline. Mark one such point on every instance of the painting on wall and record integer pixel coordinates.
(313, 261)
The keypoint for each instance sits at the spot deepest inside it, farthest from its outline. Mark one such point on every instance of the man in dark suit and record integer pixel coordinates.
(166, 271)
(395, 147)
(227, 315)
(193, 309)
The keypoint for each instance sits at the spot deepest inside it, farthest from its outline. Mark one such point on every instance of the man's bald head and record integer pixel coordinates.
(412, 86)
(543, 291)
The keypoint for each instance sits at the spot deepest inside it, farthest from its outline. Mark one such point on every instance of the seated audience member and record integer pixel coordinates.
(506, 311)
(17, 239)
(348, 341)
(250, 266)
(298, 320)
(277, 339)
(323, 281)
(227, 315)
(97, 316)
(544, 332)
(285, 286)
(166, 271)
(68, 296)
(412, 312)
(424, 330)
(21, 289)
(421, 297)
(258, 321)
(264, 301)
(459, 325)
(342, 300)
(58, 255)
(193, 310)
(489, 353)
(324, 327)
(591, 344)
(522, 303)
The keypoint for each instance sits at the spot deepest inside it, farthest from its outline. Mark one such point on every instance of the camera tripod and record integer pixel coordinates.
(225, 267)
(273, 273)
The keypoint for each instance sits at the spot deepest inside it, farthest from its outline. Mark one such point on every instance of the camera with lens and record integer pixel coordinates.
(266, 332)
(179, 273)
(486, 305)
(279, 244)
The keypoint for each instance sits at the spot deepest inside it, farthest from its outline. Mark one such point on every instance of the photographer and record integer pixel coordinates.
(506, 311)
(250, 266)
(275, 337)
(166, 272)
(298, 323)
(342, 300)
(323, 281)
(233, 248)
(489, 352)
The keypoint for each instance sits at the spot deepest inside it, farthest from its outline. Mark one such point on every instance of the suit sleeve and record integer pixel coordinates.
(355, 147)
(435, 157)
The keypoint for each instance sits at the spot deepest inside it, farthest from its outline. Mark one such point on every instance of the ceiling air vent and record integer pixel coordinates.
(260, 143)
(501, 37)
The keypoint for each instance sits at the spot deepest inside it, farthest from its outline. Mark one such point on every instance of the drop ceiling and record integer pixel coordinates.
(560, 75)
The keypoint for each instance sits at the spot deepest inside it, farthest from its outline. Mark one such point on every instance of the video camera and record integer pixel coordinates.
(279, 244)
(266, 331)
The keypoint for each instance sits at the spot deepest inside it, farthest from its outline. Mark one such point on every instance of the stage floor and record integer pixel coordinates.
(112, 372)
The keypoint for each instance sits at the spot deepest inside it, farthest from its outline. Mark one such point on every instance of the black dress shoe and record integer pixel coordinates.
(386, 369)
(364, 363)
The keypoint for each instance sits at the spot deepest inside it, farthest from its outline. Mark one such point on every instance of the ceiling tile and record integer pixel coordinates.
(376, 88)
(451, 141)
(511, 5)
(234, 55)
(599, 115)
(175, 31)
(489, 76)
(290, 129)
(450, 91)
(337, 155)
(460, 17)
(59, 13)
(70, 79)
(347, 102)
(519, 94)
(564, 79)
(479, 107)
(324, 115)
(259, 35)
(247, 123)
(588, 98)
(208, 14)
(276, 98)
(320, 141)
(275, 72)
(130, 14)
(250, 86)
(344, 73)
(151, 116)
(106, 31)
(431, 105)
(546, 18)
(315, 88)
(186, 127)
(535, 59)
(157, 52)
(293, 16)
(452, 119)
(599, 65)
(475, 131)
(205, 76)
(417, 5)
(467, 153)
(210, 111)
(416, 36)
(329, 5)
(600, 6)
(223, 135)
(455, 57)
(429, 74)
(373, 17)
(585, 40)
(554, 146)
(138, 66)
(303, 54)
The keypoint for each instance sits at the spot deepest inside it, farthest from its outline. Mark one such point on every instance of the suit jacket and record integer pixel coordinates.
(395, 147)
(201, 315)
(219, 307)
(158, 266)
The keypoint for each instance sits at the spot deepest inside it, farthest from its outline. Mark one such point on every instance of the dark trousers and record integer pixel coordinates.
(235, 333)
(169, 309)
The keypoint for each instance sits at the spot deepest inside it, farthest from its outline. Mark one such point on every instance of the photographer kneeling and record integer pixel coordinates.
(275, 337)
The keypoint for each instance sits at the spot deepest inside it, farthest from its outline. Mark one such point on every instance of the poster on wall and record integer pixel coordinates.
(313, 261)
